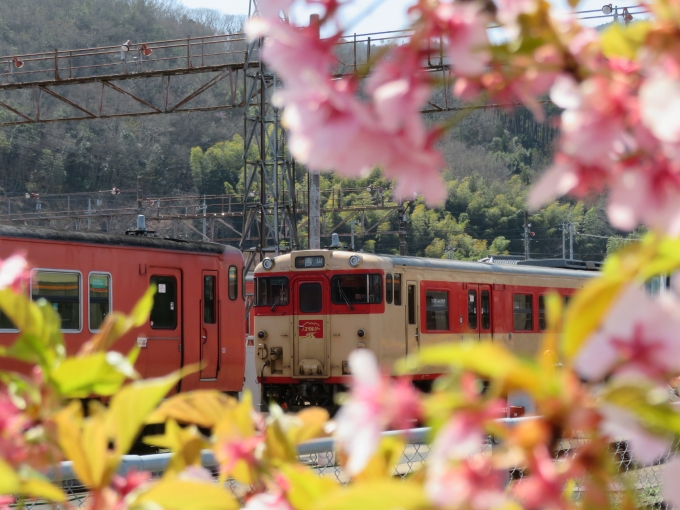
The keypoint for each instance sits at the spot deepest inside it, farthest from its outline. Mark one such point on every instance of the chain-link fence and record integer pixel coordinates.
(319, 455)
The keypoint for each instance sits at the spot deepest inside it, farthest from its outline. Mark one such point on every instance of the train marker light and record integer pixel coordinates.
(267, 263)
(354, 260)
(361, 333)
(262, 334)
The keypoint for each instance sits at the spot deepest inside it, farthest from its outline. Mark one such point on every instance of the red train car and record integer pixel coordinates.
(198, 309)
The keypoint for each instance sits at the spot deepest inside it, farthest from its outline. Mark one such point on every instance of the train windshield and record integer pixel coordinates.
(356, 289)
(271, 291)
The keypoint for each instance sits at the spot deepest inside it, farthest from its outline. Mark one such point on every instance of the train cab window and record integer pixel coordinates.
(397, 289)
(523, 312)
(271, 292)
(411, 304)
(542, 324)
(233, 283)
(486, 310)
(62, 290)
(100, 299)
(164, 311)
(356, 289)
(209, 312)
(388, 289)
(311, 299)
(437, 310)
(472, 309)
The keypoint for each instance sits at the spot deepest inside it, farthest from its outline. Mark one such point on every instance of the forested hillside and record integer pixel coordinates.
(492, 155)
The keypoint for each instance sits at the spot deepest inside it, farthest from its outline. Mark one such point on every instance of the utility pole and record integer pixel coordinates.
(351, 224)
(401, 213)
(527, 233)
(314, 202)
(571, 239)
(204, 219)
(564, 246)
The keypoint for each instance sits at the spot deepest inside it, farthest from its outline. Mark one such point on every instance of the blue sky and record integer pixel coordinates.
(366, 16)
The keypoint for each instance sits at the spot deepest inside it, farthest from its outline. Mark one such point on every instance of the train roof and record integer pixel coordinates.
(486, 267)
(133, 241)
(373, 261)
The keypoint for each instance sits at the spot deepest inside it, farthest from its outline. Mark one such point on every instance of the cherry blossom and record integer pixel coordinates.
(671, 487)
(375, 402)
(12, 271)
(638, 338)
(645, 446)
(13, 423)
(472, 483)
(268, 501)
(544, 487)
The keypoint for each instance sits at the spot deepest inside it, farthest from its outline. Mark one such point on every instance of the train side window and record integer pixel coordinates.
(62, 290)
(541, 313)
(437, 310)
(397, 289)
(388, 289)
(233, 283)
(486, 310)
(523, 312)
(472, 309)
(411, 304)
(99, 289)
(566, 300)
(164, 311)
(209, 315)
(356, 289)
(311, 300)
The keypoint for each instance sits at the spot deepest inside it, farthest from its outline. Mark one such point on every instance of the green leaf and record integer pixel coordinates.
(173, 494)
(101, 373)
(307, 488)
(376, 495)
(624, 41)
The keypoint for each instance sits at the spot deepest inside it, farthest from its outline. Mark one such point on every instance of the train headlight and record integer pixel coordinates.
(267, 263)
(354, 260)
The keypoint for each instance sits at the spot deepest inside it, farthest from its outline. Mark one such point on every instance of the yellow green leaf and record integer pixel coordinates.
(101, 373)
(186, 444)
(29, 484)
(117, 324)
(376, 495)
(484, 358)
(648, 404)
(307, 488)
(383, 462)
(174, 494)
(624, 41)
(131, 406)
(202, 407)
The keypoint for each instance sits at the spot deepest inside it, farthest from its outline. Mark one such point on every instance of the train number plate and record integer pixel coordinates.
(310, 329)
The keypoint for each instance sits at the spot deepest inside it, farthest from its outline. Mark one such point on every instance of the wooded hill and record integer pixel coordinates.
(492, 155)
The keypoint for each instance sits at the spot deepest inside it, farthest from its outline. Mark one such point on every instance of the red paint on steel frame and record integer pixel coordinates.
(131, 269)
(502, 320)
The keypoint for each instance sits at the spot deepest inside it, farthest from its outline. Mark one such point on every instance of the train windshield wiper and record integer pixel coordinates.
(276, 302)
(344, 296)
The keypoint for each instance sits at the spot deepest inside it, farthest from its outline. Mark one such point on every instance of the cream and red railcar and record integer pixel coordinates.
(312, 308)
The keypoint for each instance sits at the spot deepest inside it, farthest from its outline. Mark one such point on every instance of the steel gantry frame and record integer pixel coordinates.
(269, 171)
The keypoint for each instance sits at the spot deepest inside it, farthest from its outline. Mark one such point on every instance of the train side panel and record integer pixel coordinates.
(193, 323)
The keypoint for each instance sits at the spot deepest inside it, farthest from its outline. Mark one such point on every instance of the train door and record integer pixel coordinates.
(162, 335)
(479, 310)
(311, 354)
(210, 327)
(412, 318)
